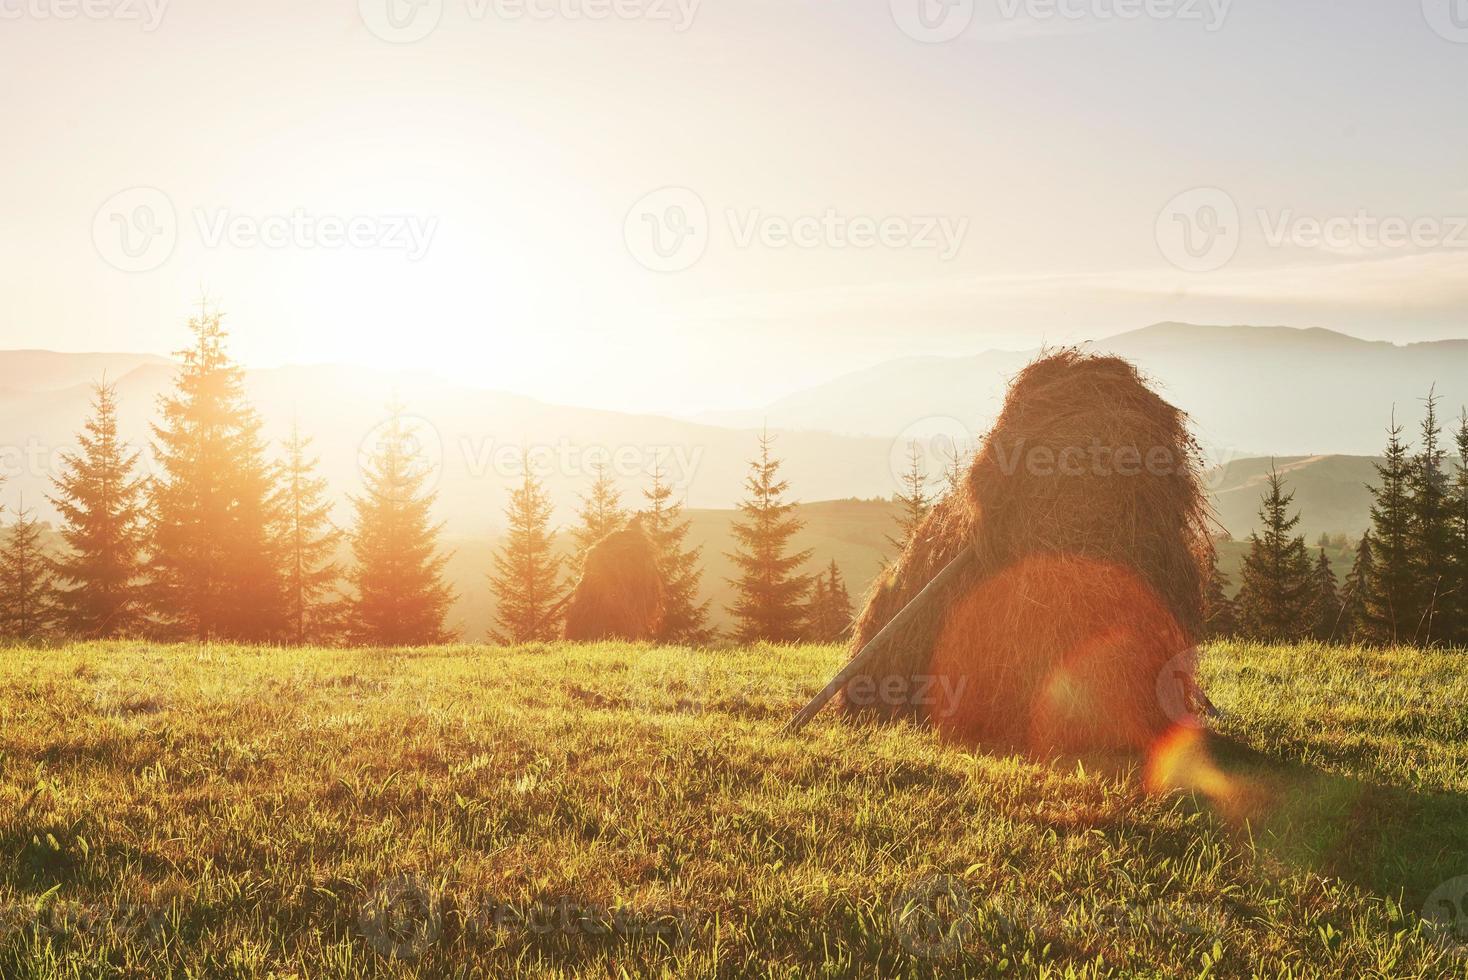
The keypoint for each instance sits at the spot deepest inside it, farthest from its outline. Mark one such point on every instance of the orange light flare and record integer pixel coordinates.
(1180, 760)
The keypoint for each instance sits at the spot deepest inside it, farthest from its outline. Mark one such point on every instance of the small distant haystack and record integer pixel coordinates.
(1086, 518)
(620, 593)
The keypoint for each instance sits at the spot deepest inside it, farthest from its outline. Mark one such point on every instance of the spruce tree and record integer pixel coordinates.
(829, 607)
(1389, 607)
(101, 502)
(400, 595)
(1456, 628)
(1325, 601)
(27, 587)
(1355, 624)
(685, 618)
(526, 579)
(1219, 619)
(769, 591)
(601, 512)
(214, 550)
(954, 470)
(1277, 587)
(840, 600)
(313, 607)
(1430, 533)
(817, 609)
(913, 501)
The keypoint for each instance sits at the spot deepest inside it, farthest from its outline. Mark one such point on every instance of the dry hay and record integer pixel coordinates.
(620, 594)
(1088, 524)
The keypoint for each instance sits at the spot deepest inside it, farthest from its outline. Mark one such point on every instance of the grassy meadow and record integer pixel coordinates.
(620, 810)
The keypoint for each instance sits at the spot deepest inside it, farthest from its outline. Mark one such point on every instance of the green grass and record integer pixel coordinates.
(612, 810)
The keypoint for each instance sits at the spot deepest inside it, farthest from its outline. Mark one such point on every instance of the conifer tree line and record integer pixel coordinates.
(227, 541)
(1408, 581)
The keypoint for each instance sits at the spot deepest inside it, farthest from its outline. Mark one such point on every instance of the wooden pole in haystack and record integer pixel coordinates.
(854, 666)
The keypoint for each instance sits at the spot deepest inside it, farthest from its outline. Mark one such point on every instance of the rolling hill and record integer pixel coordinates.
(476, 437)
(1250, 390)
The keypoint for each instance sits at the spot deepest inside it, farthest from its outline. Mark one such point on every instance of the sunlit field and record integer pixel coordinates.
(609, 810)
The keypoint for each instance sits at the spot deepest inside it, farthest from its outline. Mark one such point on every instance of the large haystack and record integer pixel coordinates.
(1087, 520)
(620, 593)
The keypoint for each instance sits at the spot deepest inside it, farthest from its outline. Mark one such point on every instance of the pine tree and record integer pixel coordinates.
(400, 595)
(1430, 533)
(1219, 618)
(601, 512)
(685, 619)
(526, 579)
(817, 608)
(828, 610)
(914, 502)
(769, 591)
(840, 600)
(1276, 590)
(1389, 609)
(102, 507)
(313, 608)
(1325, 603)
(1355, 624)
(27, 587)
(1456, 628)
(214, 552)
(953, 471)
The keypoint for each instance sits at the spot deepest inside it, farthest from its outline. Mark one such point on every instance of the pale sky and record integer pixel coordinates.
(831, 190)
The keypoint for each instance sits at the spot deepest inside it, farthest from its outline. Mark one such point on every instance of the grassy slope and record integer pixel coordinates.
(232, 812)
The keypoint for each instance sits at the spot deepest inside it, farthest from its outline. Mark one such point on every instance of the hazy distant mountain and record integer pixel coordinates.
(476, 436)
(42, 370)
(1250, 390)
